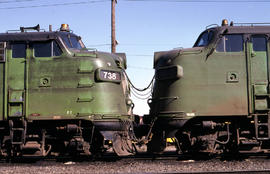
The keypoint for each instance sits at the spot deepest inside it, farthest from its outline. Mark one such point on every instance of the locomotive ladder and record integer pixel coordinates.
(16, 113)
(17, 131)
(262, 112)
(262, 128)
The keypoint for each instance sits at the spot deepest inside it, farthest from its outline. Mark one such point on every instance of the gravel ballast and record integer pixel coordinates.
(135, 166)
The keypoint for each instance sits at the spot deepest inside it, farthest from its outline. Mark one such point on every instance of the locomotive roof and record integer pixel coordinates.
(245, 29)
(31, 36)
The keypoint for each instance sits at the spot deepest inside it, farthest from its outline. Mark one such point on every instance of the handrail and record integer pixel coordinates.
(252, 24)
(208, 26)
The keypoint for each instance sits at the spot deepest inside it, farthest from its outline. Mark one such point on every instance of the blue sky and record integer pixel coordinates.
(142, 27)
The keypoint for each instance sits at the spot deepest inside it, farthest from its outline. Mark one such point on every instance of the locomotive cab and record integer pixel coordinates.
(222, 93)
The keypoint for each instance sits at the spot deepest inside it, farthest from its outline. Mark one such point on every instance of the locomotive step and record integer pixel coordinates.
(17, 129)
(16, 143)
(256, 143)
(262, 124)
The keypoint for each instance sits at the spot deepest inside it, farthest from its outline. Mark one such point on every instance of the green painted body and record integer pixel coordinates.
(60, 87)
(58, 97)
(213, 83)
(2, 84)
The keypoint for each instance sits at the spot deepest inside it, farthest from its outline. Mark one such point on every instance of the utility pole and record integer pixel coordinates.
(113, 40)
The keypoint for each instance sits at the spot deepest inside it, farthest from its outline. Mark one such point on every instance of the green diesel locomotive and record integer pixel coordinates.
(58, 97)
(214, 97)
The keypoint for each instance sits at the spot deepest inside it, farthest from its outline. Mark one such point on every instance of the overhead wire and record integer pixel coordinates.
(53, 5)
(136, 44)
(99, 45)
(98, 1)
(140, 67)
(139, 55)
(14, 1)
(192, 1)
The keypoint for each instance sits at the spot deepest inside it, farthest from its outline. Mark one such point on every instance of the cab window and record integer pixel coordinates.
(230, 43)
(75, 43)
(18, 50)
(259, 43)
(2, 51)
(46, 49)
(72, 41)
(204, 39)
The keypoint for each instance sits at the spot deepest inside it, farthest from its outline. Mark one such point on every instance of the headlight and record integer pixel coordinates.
(169, 72)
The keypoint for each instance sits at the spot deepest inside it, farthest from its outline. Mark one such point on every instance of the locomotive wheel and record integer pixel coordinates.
(184, 142)
(157, 143)
(97, 146)
(231, 151)
(122, 146)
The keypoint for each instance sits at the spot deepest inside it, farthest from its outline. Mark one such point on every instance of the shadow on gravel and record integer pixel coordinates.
(233, 157)
(207, 156)
(199, 156)
(145, 156)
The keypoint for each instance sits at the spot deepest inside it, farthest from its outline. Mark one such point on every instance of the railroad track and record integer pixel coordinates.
(230, 172)
(141, 165)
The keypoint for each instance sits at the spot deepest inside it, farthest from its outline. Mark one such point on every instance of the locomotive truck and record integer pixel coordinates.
(58, 97)
(214, 97)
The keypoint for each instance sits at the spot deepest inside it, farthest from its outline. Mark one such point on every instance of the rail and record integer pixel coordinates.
(229, 172)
